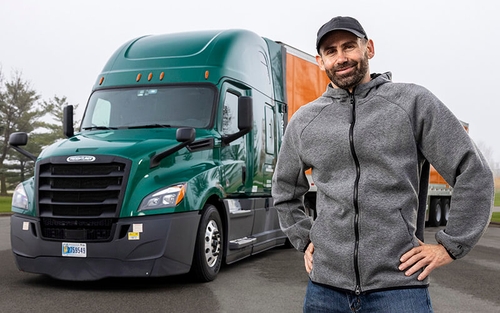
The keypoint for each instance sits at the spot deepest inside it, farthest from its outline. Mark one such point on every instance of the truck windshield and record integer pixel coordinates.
(166, 106)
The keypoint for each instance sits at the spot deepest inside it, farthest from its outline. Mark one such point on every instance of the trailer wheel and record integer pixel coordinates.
(445, 205)
(310, 205)
(435, 212)
(207, 257)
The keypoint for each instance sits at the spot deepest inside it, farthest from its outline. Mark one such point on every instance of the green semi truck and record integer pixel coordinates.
(170, 170)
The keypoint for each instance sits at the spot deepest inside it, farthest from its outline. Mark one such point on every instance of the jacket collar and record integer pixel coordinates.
(361, 91)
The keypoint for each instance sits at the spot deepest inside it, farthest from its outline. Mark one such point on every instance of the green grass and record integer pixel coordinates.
(496, 217)
(5, 204)
(497, 197)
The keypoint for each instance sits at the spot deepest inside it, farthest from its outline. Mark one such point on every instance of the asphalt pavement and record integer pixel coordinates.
(259, 284)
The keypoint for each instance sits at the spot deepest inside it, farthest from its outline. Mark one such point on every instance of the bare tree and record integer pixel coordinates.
(488, 153)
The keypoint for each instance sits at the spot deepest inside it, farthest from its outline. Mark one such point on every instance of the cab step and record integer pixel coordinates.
(241, 242)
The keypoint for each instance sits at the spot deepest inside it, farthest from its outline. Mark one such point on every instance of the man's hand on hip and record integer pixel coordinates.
(427, 257)
(308, 257)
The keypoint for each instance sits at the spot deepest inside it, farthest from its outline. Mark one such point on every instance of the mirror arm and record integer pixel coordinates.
(156, 159)
(226, 140)
(24, 152)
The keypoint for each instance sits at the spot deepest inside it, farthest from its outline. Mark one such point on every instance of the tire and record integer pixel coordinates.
(207, 258)
(310, 206)
(445, 207)
(435, 212)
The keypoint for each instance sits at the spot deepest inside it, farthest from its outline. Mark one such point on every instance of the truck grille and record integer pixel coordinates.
(80, 201)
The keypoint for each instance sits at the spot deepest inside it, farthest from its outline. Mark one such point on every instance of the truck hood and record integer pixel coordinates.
(127, 143)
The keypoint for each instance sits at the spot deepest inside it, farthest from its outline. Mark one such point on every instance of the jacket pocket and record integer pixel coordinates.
(411, 236)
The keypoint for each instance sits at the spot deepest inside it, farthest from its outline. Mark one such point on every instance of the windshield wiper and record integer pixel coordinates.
(99, 128)
(150, 126)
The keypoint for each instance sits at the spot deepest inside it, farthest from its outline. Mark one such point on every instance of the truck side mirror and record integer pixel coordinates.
(20, 139)
(245, 113)
(245, 119)
(68, 129)
(185, 134)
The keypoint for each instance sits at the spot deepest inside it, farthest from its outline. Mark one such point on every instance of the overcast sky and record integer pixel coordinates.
(450, 47)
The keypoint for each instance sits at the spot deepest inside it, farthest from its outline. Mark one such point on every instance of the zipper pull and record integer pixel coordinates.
(358, 290)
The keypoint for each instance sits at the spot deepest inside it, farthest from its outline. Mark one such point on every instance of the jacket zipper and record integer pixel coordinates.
(355, 196)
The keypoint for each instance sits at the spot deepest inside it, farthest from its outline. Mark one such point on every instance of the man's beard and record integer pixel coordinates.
(351, 80)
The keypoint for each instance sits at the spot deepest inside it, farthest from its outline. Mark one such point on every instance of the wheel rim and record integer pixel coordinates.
(437, 212)
(446, 211)
(212, 243)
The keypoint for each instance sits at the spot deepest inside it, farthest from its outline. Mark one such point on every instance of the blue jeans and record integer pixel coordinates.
(320, 298)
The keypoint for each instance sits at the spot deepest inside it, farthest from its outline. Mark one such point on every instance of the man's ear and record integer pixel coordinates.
(319, 60)
(370, 49)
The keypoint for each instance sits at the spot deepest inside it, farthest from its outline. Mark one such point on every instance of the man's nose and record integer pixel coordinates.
(341, 56)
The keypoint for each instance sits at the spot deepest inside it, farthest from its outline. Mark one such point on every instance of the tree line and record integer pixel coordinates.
(23, 110)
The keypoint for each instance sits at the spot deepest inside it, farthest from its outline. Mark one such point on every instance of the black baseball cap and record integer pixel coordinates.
(340, 23)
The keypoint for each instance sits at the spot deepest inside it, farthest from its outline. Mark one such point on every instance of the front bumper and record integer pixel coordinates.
(159, 245)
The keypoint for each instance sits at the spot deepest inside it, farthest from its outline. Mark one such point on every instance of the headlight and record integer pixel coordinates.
(164, 198)
(19, 198)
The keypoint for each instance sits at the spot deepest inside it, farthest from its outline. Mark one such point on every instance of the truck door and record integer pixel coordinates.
(234, 175)
(266, 227)
(234, 155)
(269, 147)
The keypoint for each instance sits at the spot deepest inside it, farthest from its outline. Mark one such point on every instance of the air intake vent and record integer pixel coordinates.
(201, 145)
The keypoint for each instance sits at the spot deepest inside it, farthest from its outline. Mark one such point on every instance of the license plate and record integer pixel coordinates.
(75, 250)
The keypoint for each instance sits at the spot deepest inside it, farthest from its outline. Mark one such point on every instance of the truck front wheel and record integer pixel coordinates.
(435, 212)
(207, 258)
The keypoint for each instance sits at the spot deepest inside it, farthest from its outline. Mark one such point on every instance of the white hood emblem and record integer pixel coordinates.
(81, 158)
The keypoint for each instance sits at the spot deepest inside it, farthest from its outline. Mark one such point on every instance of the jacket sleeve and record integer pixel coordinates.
(448, 147)
(289, 186)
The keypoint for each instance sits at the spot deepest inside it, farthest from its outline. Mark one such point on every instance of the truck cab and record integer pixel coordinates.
(170, 170)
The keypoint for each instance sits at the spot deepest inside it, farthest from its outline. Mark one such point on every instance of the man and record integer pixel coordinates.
(368, 141)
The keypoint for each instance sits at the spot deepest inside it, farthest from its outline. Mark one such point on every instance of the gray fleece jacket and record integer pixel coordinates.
(367, 151)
